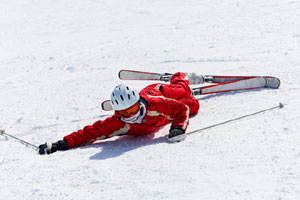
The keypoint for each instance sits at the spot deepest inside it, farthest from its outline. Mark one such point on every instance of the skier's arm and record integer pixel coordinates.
(99, 130)
(174, 110)
(179, 112)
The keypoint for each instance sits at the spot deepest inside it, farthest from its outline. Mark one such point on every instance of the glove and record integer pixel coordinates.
(51, 148)
(176, 134)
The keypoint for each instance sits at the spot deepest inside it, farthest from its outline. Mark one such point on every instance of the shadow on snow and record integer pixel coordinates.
(123, 144)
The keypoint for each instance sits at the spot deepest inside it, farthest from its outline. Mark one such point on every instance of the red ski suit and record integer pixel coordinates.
(165, 102)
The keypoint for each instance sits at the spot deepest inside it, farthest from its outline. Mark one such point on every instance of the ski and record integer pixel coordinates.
(240, 84)
(272, 82)
(139, 75)
(220, 84)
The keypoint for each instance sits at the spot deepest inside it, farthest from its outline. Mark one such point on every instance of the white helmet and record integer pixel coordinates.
(123, 97)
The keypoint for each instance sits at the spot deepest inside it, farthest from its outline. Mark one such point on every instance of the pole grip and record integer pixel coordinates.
(2, 132)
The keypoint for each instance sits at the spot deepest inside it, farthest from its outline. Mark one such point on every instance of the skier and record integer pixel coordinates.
(138, 113)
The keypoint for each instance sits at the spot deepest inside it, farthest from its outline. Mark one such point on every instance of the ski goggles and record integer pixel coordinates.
(129, 112)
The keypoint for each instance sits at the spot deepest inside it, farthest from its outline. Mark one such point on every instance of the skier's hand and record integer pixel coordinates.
(176, 134)
(51, 148)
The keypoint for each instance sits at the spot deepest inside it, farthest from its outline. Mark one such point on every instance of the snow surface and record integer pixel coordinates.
(59, 60)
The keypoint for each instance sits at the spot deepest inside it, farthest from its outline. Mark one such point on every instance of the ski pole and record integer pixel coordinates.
(281, 105)
(2, 132)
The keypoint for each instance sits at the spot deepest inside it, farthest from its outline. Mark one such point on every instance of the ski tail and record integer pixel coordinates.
(139, 75)
(272, 82)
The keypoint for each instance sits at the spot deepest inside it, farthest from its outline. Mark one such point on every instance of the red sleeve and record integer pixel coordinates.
(99, 130)
(174, 110)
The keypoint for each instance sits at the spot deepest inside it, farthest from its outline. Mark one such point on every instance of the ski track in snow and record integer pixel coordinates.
(60, 59)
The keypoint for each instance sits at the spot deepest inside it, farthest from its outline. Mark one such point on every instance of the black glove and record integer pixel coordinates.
(176, 134)
(51, 148)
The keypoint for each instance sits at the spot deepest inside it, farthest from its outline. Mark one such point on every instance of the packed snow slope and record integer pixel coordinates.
(59, 60)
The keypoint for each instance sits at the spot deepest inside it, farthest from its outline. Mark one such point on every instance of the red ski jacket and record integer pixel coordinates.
(164, 103)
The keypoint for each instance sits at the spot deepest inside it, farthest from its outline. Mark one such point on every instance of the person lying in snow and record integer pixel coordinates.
(138, 114)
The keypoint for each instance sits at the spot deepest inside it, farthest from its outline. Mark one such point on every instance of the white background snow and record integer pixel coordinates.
(59, 59)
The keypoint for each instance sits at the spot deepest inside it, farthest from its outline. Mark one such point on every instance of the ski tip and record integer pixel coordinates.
(119, 74)
(106, 105)
(2, 131)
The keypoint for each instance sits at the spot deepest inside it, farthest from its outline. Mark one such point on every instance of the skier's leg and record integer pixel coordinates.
(178, 88)
(192, 103)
